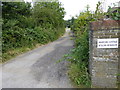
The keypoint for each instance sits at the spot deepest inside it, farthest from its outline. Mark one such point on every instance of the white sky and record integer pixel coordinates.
(74, 7)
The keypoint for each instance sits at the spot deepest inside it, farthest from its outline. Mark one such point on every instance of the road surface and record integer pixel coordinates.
(38, 68)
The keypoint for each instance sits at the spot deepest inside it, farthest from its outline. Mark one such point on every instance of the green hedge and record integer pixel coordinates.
(25, 27)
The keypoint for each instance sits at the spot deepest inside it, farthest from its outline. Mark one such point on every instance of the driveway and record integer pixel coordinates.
(39, 68)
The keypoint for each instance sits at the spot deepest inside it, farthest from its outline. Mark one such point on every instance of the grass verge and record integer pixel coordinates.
(17, 51)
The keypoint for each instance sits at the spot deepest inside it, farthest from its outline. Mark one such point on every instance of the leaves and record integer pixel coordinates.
(114, 13)
(48, 12)
(78, 71)
(25, 26)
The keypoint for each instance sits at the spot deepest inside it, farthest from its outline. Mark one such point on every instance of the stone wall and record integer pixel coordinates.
(104, 63)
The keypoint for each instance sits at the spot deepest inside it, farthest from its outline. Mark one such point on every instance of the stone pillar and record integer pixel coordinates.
(104, 63)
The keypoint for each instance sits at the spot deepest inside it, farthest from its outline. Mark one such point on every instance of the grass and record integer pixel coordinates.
(17, 51)
(78, 67)
(78, 76)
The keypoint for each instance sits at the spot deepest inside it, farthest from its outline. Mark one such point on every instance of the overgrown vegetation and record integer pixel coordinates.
(69, 23)
(114, 13)
(25, 26)
(79, 56)
(78, 69)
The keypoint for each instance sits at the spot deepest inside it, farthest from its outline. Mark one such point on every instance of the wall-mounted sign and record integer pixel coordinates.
(107, 43)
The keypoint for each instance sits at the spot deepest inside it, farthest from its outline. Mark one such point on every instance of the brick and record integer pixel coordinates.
(104, 62)
(104, 82)
(105, 24)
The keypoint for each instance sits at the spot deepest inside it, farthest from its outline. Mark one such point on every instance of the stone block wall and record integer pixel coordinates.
(104, 63)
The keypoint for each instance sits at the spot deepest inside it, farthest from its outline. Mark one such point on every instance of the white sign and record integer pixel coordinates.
(107, 43)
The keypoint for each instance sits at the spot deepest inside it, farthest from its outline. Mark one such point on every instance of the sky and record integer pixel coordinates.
(74, 7)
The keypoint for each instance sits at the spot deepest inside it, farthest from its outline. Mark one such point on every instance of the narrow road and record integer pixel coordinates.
(38, 68)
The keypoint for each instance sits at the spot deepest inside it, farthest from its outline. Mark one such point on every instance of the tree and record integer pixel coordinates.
(69, 23)
(48, 12)
(13, 10)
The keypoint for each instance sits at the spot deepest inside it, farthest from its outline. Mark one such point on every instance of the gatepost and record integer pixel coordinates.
(104, 63)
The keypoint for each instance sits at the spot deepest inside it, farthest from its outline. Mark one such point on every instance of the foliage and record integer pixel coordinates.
(13, 10)
(79, 56)
(24, 26)
(47, 12)
(69, 23)
(114, 13)
(78, 71)
(99, 12)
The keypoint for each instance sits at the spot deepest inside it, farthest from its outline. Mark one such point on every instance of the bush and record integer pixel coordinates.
(79, 56)
(78, 71)
(114, 13)
(25, 27)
